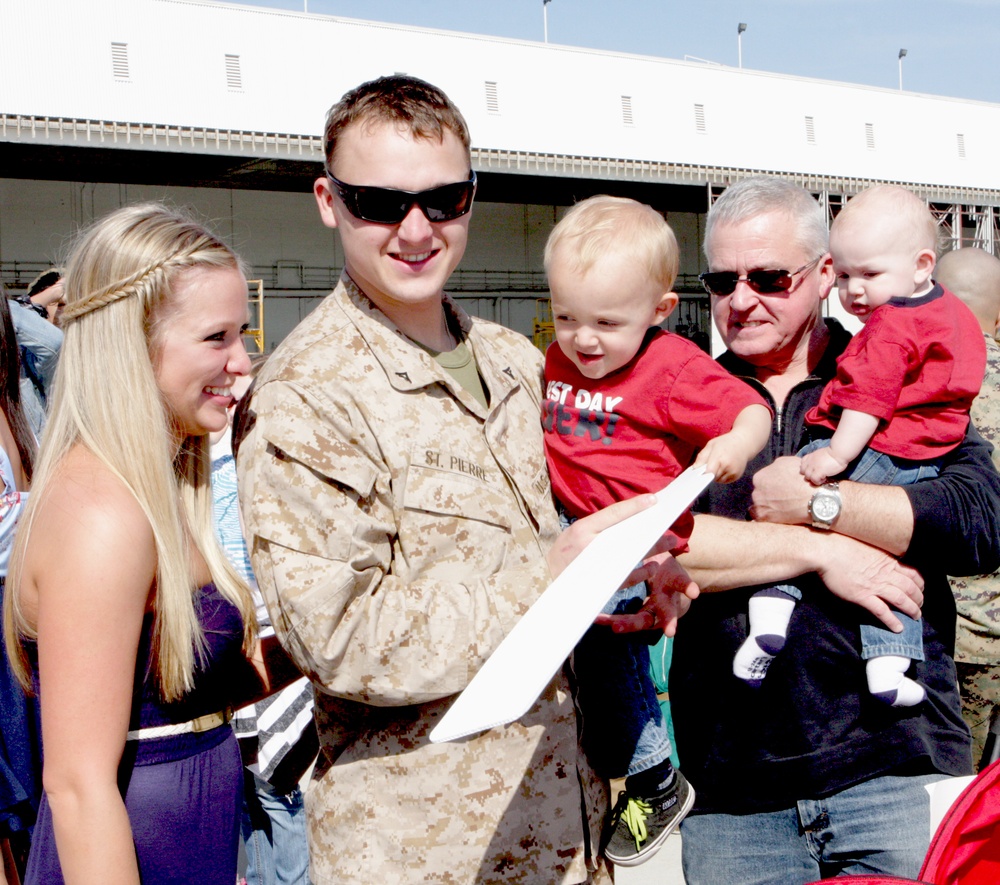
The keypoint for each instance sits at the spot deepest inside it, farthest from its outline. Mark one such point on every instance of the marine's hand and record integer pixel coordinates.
(670, 593)
(571, 542)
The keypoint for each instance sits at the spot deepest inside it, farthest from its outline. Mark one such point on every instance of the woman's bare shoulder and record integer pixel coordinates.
(87, 506)
(85, 480)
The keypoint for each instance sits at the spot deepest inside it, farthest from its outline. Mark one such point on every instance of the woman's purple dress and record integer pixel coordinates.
(183, 793)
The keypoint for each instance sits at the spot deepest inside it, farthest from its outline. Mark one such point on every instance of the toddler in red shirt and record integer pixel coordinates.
(628, 406)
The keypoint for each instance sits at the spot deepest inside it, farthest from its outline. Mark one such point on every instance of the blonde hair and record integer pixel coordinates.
(896, 208)
(603, 224)
(120, 286)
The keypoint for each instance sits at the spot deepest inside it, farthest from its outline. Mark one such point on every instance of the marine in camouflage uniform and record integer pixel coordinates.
(977, 641)
(398, 529)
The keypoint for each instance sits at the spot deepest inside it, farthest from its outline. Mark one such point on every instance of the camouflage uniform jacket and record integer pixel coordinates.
(977, 640)
(398, 530)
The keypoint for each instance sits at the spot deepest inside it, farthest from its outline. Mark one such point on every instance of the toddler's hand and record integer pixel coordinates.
(724, 457)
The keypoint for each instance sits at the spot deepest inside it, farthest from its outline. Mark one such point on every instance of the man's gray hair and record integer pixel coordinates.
(763, 195)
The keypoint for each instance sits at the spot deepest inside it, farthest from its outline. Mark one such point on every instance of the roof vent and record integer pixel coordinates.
(627, 110)
(234, 79)
(492, 102)
(699, 117)
(119, 60)
(870, 136)
(961, 146)
(810, 131)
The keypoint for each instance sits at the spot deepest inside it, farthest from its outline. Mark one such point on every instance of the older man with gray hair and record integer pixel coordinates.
(807, 776)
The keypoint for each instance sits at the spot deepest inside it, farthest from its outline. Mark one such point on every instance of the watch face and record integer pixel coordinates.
(825, 508)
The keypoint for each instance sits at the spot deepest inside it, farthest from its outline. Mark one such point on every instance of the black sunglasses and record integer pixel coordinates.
(387, 205)
(763, 282)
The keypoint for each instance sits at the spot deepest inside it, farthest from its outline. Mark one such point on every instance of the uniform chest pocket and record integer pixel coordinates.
(456, 520)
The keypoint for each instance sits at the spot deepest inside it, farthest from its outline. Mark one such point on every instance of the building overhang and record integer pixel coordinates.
(76, 149)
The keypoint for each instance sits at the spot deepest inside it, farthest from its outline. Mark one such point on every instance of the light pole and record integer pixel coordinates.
(740, 28)
(545, 18)
(902, 53)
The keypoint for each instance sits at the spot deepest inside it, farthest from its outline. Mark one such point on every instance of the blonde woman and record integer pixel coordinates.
(123, 607)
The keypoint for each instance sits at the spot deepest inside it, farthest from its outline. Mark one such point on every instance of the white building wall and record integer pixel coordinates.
(549, 98)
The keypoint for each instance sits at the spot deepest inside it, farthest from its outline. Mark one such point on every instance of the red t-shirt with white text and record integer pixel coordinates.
(634, 430)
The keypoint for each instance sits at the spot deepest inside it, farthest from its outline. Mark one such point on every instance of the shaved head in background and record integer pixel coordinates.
(974, 276)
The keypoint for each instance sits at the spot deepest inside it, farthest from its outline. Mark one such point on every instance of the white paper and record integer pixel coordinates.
(943, 794)
(526, 660)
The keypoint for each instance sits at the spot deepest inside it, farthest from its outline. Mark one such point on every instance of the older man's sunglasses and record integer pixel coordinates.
(763, 282)
(387, 205)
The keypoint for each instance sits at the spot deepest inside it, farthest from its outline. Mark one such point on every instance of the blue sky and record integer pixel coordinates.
(951, 45)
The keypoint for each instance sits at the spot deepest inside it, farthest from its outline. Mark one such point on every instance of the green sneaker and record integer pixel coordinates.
(639, 825)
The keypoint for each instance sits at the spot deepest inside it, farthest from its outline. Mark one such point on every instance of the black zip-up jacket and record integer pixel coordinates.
(812, 728)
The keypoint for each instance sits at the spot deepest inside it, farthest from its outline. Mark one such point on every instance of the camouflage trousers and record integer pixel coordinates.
(979, 685)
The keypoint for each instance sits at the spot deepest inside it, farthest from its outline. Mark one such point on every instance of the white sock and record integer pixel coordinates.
(768, 628)
(887, 680)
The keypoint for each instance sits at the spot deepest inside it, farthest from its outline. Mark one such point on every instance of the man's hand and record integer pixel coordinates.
(571, 542)
(853, 570)
(781, 493)
(878, 515)
(670, 593)
(871, 578)
(52, 299)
